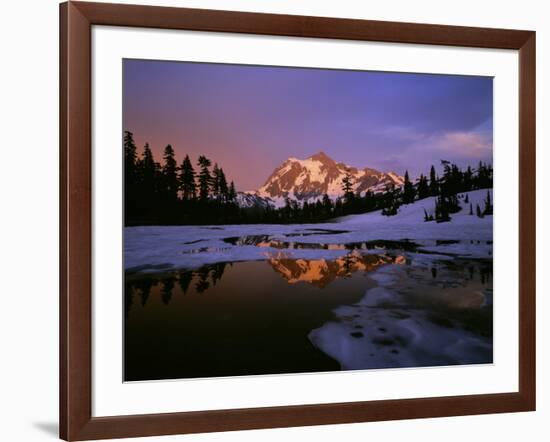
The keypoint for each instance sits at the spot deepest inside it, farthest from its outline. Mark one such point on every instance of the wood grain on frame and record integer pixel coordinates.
(76, 421)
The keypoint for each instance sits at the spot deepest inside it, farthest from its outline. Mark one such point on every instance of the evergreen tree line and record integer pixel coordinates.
(168, 193)
(165, 193)
(456, 181)
(446, 188)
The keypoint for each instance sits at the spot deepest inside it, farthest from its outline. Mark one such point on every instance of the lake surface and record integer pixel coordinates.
(379, 305)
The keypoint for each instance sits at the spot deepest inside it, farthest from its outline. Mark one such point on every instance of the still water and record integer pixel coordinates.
(284, 315)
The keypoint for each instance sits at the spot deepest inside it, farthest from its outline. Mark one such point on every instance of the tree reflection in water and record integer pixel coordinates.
(318, 272)
(256, 317)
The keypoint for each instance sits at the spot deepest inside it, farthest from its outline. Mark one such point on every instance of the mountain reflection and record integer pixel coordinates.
(317, 272)
(321, 272)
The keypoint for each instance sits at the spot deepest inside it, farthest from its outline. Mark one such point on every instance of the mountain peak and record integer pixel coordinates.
(319, 174)
(320, 156)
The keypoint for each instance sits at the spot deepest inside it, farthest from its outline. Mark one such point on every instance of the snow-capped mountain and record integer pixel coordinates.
(311, 178)
(251, 199)
(321, 272)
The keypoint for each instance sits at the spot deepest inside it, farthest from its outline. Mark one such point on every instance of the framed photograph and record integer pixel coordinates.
(273, 220)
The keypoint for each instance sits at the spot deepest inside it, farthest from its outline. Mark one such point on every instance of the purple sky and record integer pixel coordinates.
(249, 119)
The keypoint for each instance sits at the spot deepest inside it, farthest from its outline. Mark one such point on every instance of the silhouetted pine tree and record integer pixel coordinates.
(130, 175)
(338, 207)
(408, 190)
(170, 175)
(152, 193)
(130, 156)
(434, 186)
(216, 182)
(205, 179)
(484, 177)
(187, 180)
(441, 212)
(327, 206)
(423, 188)
(370, 201)
(347, 186)
(222, 184)
(231, 193)
(452, 181)
(146, 181)
(147, 167)
(468, 176)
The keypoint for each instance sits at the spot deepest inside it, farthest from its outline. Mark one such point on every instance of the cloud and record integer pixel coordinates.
(464, 144)
(408, 147)
(473, 144)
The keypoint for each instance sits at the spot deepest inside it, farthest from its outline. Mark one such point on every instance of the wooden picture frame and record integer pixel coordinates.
(76, 21)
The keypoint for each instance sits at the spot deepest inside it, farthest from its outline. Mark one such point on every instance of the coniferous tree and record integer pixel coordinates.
(147, 179)
(306, 211)
(291, 209)
(170, 174)
(216, 182)
(468, 176)
(423, 188)
(130, 177)
(369, 201)
(484, 177)
(187, 180)
(147, 166)
(152, 197)
(159, 179)
(223, 188)
(434, 186)
(130, 156)
(390, 203)
(327, 205)
(446, 184)
(231, 193)
(205, 179)
(338, 207)
(408, 190)
(347, 186)
(441, 210)
(318, 211)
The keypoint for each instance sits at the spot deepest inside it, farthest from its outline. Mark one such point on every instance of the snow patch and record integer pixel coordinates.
(193, 246)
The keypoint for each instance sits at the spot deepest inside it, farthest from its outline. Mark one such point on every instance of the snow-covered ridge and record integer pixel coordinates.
(250, 199)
